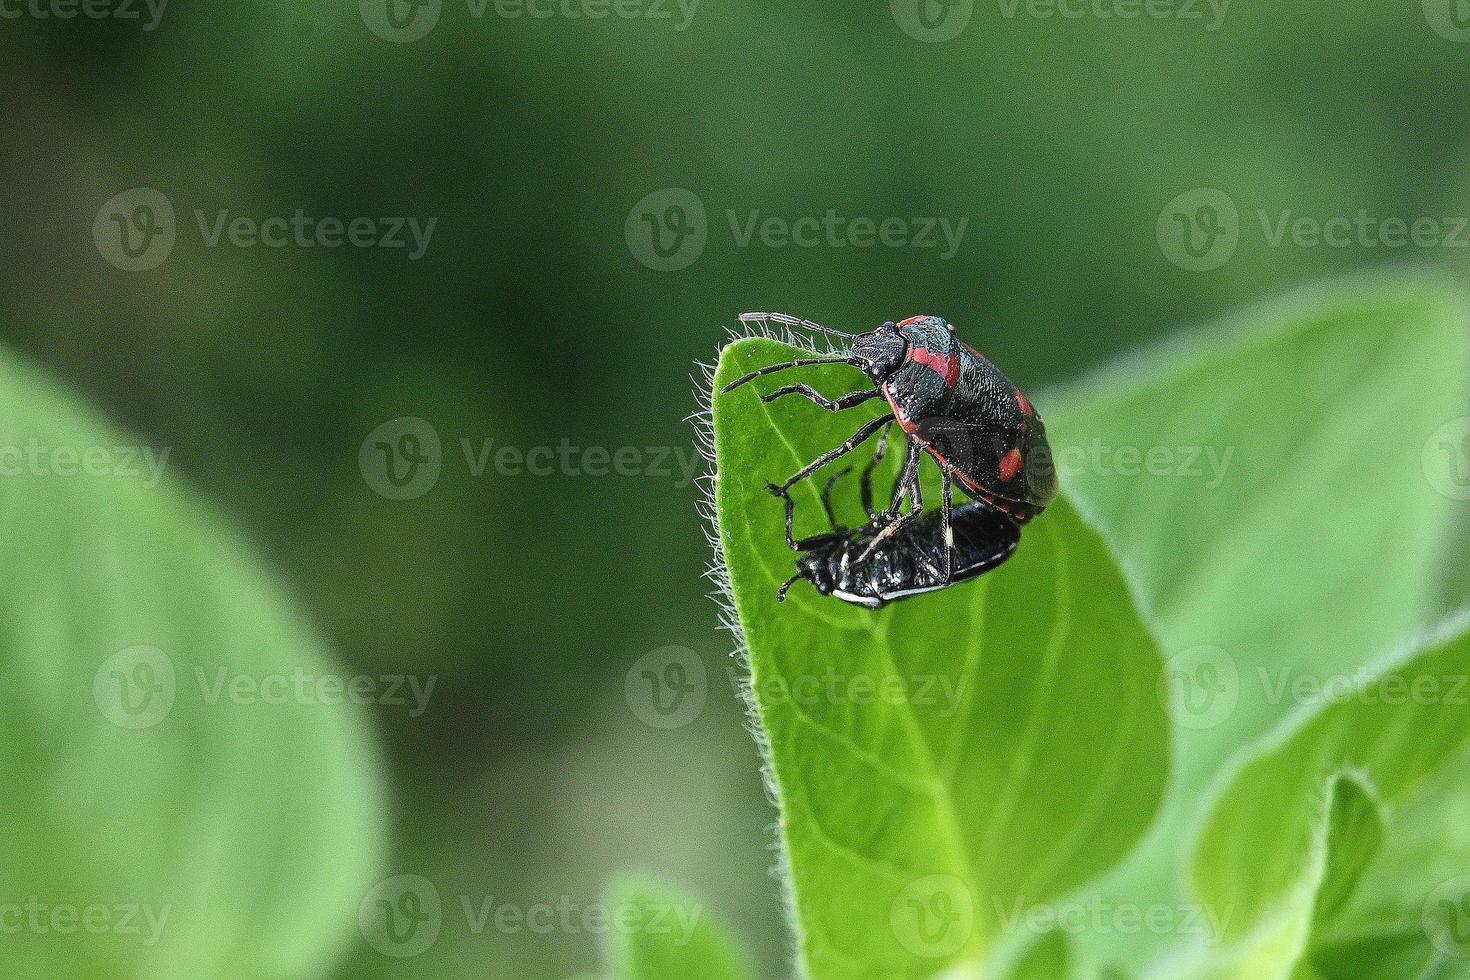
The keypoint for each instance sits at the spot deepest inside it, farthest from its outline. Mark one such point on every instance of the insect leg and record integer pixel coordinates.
(816, 397)
(785, 366)
(906, 475)
(827, 497)
(948, 524)
(909, 480)
(857, 439)
(786, 587)
(867, 478)
(794, 543)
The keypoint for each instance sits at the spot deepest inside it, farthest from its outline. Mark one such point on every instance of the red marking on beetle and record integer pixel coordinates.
(1010, 465)
(912, 319)
(1023, 403)
(947, 366)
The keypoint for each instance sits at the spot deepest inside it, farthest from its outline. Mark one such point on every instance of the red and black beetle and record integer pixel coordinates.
(952, 403)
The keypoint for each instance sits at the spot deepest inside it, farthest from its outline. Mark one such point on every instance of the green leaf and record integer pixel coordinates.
(1049, 958)
(1271, 483)
(201, 840)
(1354, 836)
(670, 936)
(946, 766)
(1398, 955)
(1286, 859)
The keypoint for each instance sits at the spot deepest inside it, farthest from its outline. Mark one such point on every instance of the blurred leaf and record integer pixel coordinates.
(1277, 505)
(1284, 857)
(1048, 959)
(1401, 955)
(222, 837)
(948, 764)
(675, 937)
(1303, 418)
(1354, 836)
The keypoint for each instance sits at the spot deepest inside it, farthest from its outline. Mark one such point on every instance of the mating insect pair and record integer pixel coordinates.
(957, 408)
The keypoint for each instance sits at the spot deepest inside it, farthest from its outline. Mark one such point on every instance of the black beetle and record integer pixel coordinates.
(930, 554)
(952, 403)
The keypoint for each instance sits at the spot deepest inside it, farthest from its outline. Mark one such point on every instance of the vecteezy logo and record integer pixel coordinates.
(135, 230)
(931, 21)
(400, 21)
(1447, 459)
(667, 230)
(1199, 230)
(667, 687)
(401, 916)
(1199, 687)
(401, 458)
(1450, 19)
(1446, 917)
(933, 916)
(135, 688)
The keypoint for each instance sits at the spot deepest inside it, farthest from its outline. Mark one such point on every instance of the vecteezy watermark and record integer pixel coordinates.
(37, 918)
(403, 916)
(1446, 459)
(149, 13)
(1445, 916)
(138, 687)
(137, 230)
(1201, 229)
(1202, 686)
(932, 21)
(303, 687)
(135, 688)
(1363, 230)
(1450, 19)
(1287, 684)
(402, 21)
(1207, 464)
(933, 916)
(301, 230)
(1100, 917)
(834, 687)
(566, 458)
(1208, 13)
(567, 917)
(668, 230)
(121, 462)
(402, 460)
(667, 688)
(1199, 687)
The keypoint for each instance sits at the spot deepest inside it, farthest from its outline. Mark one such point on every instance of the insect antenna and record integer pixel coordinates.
(788, 320)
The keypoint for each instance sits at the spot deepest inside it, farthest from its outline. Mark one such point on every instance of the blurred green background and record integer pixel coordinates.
(538, 314)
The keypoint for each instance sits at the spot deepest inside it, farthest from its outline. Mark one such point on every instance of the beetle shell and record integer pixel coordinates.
(960, 407)
(912, 562)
